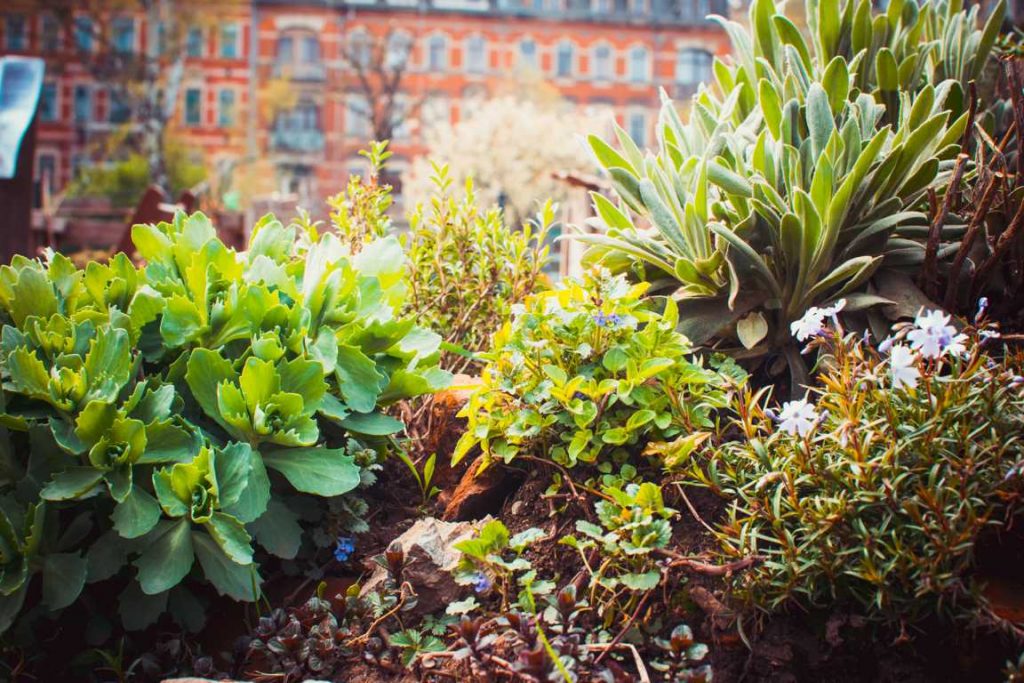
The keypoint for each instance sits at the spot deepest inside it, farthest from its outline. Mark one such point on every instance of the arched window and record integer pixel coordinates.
(398, 49)
(437, 53)
(602, 60)
(528, 53)
(639, 65)
(476, 54)
(565, 59)
(693, 67)
(636, 124)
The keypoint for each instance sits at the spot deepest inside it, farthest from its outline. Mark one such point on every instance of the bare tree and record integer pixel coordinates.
(379, 63)
(144, 82)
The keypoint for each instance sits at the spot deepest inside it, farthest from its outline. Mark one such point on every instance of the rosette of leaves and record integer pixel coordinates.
(298, 644)
(802, 170)
(589, 373)
(197, 523)
(634, 523)
(681, 657)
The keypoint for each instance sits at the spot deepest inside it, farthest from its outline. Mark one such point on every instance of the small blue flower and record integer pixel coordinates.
(481, 583)
(580, 395)
(771, 414)
(344, 548)
(607, 320)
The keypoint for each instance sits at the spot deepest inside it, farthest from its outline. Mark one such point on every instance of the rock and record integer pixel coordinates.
(478, 493)
(444, 428)
(429, 560)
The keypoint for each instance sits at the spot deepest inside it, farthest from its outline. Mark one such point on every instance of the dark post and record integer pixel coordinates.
(16, 202)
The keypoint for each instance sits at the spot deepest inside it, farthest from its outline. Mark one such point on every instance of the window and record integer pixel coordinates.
(226, 108)
(83, 34)
(437, 53)
(602, 63)
(83, 104)
(304, 117)
(48, 102)
(46, 171)
(15, 33)
(120, 110)
(160, 36)
(194, 42)
(528, 53)
(693, 67)
(476, 54)
(399, 46)
(621, 6)
(601, 6)
(564, 60)
(639, 65)
(637, 124)
(309, 52)
(229, 41)
(123, 34)
(359, 49)
(50, 34)
(193, 106)
(285, 50)
(357, 117)
(435, 112)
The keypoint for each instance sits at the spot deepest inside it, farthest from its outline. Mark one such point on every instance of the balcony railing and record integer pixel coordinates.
(301, 141)
(301, 71)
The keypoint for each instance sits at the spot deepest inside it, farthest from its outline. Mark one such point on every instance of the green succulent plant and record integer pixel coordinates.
(143, 409)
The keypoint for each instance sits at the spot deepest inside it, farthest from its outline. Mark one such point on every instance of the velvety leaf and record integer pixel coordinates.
(231, 536)
(167, 559)
(229, 578)
(139, 610)
(73, 482)
(63, 578)
(137, 514)
(321, 471)
(278, 531)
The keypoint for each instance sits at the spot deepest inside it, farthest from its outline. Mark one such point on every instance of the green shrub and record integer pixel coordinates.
(587, 373)
(467, 269)
(875, 491)
(802, 170)
(158, 420)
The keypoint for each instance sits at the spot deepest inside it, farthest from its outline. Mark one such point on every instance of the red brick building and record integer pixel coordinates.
(612, 53)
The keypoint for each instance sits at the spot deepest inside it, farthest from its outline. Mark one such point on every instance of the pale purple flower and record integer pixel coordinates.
(902, 367)
(798, 417)
(607, 320)
(933, 336)
(810, 325)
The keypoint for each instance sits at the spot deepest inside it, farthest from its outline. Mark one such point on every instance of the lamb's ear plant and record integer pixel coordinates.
(804, 168)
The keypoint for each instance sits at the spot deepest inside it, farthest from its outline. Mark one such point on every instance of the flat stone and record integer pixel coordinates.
(429, 560)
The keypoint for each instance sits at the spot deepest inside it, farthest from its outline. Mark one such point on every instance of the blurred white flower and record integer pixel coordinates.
(798, 417)
(903, 368)
(809, 325)
(933, 336)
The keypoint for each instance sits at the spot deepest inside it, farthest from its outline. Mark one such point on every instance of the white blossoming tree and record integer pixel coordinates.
(511, 148)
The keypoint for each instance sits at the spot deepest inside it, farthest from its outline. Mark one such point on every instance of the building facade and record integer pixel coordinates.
(281, 79)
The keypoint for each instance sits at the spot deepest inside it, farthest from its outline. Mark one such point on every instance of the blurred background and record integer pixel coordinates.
(238, 107)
